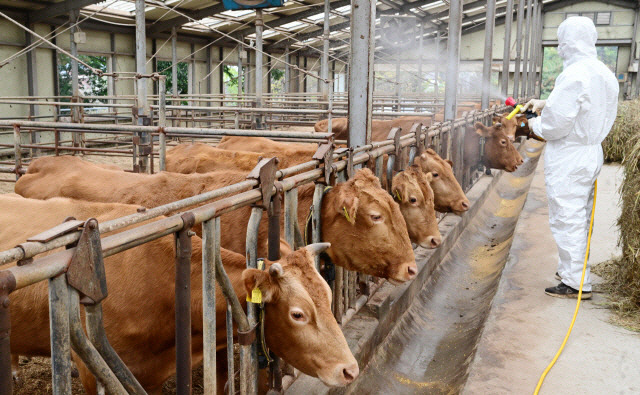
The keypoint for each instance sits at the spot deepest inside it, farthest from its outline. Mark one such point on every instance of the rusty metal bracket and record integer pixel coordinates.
(350, 163)
(265, 174)
(395, 134)
(57, 231)
(416, 130)
(324, 153)
(248, 337)
(86, 270)
(145, 149)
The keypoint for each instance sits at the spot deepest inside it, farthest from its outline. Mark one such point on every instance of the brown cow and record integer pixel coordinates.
(516, 126)
(196, 158)
(448, 194)
(379, 128)
(499, 152)
(289, 154)
(299, 324)
(411, 189)
(371, 238)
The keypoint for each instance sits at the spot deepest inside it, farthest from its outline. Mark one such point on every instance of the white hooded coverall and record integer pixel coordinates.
(577, 116)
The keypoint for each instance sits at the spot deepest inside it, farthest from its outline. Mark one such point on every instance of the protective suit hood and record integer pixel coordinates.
(577, 38)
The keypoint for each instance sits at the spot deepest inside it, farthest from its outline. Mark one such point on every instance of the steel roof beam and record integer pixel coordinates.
(57, 9)
(181, 20)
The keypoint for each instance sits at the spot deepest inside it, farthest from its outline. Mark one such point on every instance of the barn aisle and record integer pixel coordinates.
(431, 347)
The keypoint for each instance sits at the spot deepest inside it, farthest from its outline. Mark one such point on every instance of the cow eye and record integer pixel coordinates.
(435, 174)
(503, 142)
(413, 200)
(297, 316)
(376, 217)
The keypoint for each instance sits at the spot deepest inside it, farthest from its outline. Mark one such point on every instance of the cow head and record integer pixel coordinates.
(499, 152)
(413, 193)
(366, 229)
(448, 194)
(510, 126)
(299, 325)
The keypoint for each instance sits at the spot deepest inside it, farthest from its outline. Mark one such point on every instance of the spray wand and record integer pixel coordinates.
(512, 102)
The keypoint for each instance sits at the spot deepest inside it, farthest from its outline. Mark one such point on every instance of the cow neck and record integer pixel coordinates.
(329, 272)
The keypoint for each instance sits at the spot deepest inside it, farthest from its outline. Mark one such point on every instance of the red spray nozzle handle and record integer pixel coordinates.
(510, 102)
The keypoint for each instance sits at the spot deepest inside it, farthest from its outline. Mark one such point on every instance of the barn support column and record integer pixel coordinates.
(259, 71)
(397, 90)
(518, 65)
(488, 53)
(325, 53)
(539, 54)
(287, 70)
(420, 49)
(143, 107)
(632, 57)
(437, 64)
(191, 80)
(241, 56)
(77, 138)
(32, 88)
(532, 48)
(525, 57)
(174, 63)
(111, 68)
(453, 60)
(361, 72)
(506, 53)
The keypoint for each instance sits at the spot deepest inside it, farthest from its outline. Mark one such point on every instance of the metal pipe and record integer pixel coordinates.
(453, 60)
(162, 123)
(87, 352)
(17, 150)
(141, 84)
(183, 306)
(291, 216)
(517, 70)
(248, 353)
(324, 74)
(539, 54)
(437, 65)
(525, 57)
(506, 53)
(287, 70)
(7, 285)
(98, 337)
(316, 218)
(363, 16)
(488, 52)
(210, 253)
(420, 54)
(60, 338)
(532, 48)
(259, 29)
(174, 62)
(230, 362)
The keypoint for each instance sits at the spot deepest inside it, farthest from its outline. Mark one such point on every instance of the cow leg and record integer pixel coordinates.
(86, 377)
(15, 368)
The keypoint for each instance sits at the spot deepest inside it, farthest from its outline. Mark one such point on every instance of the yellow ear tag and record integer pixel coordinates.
(256, 296)
(346, 214)
(398, 195)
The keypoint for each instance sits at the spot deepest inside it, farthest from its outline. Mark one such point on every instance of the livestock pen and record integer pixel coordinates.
(124, 81)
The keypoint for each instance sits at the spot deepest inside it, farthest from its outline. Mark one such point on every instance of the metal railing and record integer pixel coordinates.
(265, 184)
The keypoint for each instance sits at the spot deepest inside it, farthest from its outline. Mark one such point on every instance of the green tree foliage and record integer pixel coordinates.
(89, 84)
(230, 79)
(552, 66)
(164, 68)
(277, 81)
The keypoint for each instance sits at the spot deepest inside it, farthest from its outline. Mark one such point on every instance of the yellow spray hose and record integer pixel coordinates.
(575, 313)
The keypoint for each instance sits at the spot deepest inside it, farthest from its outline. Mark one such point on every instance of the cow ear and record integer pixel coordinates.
(400, 192)
(481, 129)
(428, 177)
(349, 208)
(263, 281)
(450, 162)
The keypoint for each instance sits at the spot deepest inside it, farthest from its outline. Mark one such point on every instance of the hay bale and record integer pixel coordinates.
(627, 124)
(622, 276)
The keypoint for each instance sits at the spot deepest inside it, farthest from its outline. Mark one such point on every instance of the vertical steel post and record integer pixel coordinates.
(397, 90)
(532, 48)
(420, 53)
(488, 53)
(287, 70)
(259, 71)
(291, 216)
(141, 85)
(248, 353)
(525, 57)
(17, 149)
(174, 63)
(7, 285)
(230, 360)
(539, 53)
(60, 338)
(632, 54)
(162, 122)
(325, 52)
(183, 306)
(77, 137)
(363, 18)
(437, 66)
(506, 53)
(32, 88)
(210, 252)
(517, 70)
(453, 60)
(240, 72)
(247, 73)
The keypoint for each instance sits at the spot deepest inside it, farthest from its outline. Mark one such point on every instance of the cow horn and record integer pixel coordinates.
(317, 248)
(275, 270)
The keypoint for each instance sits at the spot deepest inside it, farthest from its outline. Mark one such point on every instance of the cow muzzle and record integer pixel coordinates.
(342, 374)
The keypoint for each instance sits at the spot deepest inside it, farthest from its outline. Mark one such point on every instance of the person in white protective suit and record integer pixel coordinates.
(574, 120)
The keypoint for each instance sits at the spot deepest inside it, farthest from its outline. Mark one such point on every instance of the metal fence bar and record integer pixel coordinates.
(248, 353)
(59, 338)
(210, 253)
(17, 149)
(183, 306)
(7, 285)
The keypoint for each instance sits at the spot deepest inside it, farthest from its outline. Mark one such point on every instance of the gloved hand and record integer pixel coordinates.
(534, 105)
(532, 135)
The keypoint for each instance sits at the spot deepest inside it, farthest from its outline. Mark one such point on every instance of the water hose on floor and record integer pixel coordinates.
(575, 313)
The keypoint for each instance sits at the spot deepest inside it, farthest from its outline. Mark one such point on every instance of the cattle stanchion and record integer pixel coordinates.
(231, 382)
(60, 339)
(210, 252)
(418, 145)
(17, 149)
(393, 164)
(291, 227)
(162, 123)
(183, 305)
(7, 285)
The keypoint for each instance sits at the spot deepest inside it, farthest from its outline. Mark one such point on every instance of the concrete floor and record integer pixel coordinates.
(526, 327)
